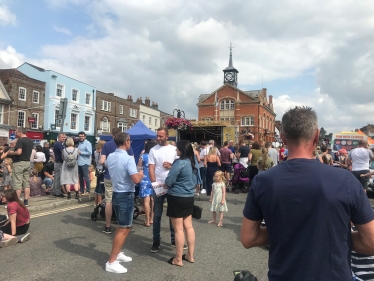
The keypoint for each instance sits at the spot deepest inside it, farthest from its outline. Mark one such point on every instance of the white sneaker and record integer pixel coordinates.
(25, 237)
(123, 258)
(115, 267)
(203, 191)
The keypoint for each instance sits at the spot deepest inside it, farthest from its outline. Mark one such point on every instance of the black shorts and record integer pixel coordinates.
(179, 207)
(362, 180)
(226, 167)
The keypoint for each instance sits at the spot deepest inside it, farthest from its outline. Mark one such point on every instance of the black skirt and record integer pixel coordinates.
(179, 207)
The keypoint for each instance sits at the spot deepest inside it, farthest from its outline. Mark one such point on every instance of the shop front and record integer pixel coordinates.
(51, 137)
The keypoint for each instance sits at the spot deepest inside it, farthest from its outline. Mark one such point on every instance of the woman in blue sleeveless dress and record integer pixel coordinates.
(146, 190)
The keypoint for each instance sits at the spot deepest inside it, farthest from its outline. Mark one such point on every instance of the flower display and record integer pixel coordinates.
(178, 123)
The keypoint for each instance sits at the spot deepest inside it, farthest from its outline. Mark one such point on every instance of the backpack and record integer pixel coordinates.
(71, 161)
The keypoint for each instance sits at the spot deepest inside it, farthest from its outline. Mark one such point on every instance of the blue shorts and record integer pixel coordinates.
(123, 205)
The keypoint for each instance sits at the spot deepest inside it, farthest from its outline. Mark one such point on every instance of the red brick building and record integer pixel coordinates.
(21, 105)
(113, 111)
(231, 113)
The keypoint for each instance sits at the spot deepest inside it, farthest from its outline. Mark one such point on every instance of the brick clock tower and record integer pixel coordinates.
(231, 113)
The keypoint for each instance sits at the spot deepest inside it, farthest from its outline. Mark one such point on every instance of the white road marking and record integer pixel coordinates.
(60, 210)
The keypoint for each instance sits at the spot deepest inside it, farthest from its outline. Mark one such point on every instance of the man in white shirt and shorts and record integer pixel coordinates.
(360, 158)
(160, 159)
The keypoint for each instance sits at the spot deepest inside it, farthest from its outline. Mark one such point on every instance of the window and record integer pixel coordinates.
(207, 119)
(59, 90)
(106, 105)
(21, 119)
(143, 118)
(133, 112)
(227, 105)
(121, 109)
(105, 125)
(22, 93)
(35, 97)
(150, 120)
(57, 119)
(74, 95)
(88, 98)
(227, 118)
(73, 121)
(248, 121)
(122, 126)
(87, 122)
(1, 113)
(34, 125)
(156, 122)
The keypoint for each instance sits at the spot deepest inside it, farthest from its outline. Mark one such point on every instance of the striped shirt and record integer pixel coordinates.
(362, 266)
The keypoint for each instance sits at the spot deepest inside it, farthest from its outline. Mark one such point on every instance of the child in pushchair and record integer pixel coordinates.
(100, 209)
(240, 179)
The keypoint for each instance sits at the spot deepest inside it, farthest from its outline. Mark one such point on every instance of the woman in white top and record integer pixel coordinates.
(39, 159)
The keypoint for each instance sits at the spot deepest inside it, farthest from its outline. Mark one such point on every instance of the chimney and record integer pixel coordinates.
(270, 99)
(139, 100)
(129, 98)
(264, 92)
(147, 102)
(154, 105)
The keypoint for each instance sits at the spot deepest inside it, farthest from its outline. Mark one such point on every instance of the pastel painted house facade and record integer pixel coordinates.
(80, 113)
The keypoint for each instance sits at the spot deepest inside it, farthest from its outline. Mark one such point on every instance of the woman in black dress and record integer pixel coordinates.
(213, 164)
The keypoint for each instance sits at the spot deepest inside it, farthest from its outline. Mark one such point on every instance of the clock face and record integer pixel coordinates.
(229, 76)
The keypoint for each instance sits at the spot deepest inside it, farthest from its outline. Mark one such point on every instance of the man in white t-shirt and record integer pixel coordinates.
(160, 159)
(359, 159)
(273, 153)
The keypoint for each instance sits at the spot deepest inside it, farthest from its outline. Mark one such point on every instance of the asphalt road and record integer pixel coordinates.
(69, 246)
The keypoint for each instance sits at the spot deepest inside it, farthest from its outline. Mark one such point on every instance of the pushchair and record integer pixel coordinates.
(100, 209)
(240, 179)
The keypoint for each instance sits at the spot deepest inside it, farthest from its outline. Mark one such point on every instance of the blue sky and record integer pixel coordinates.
(173, 51)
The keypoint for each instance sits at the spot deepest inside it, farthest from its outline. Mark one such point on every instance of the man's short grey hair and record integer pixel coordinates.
(268, 144)
(22, 130)
(61, 134)
(211, 141)
(121, 138)
(299, 124)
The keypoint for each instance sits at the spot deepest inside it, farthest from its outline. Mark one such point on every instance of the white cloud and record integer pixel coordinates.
(6, 16)
(9, 58)
(62, 30)
(173, 51)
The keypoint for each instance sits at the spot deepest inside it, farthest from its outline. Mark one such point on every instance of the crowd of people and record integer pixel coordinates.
(306, 203)
(38, 171)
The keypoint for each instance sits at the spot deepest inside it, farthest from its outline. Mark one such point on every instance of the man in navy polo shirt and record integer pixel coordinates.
(108, 148)
(58, 147)
(307, 207)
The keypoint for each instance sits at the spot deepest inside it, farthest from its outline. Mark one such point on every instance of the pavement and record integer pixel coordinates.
(48, 202)
(68, 245)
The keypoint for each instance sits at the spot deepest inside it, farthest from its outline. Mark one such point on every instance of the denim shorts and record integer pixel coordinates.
(123, 205)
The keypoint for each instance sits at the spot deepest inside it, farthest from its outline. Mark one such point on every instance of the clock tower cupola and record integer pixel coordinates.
(230, 73)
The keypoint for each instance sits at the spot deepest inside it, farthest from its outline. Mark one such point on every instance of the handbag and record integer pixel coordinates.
(196, 212)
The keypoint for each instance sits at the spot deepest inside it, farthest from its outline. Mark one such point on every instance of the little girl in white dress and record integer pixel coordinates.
(218, 197)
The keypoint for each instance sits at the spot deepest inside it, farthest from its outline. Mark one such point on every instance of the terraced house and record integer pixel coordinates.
(80, 114)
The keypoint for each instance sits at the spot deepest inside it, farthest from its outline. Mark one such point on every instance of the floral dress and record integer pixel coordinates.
(217, 198)
(145, 184)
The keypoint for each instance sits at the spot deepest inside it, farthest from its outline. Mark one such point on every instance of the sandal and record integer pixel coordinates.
(210, 222)
(185, 259)
(220, 224)
(170, 261)
(144, 224)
